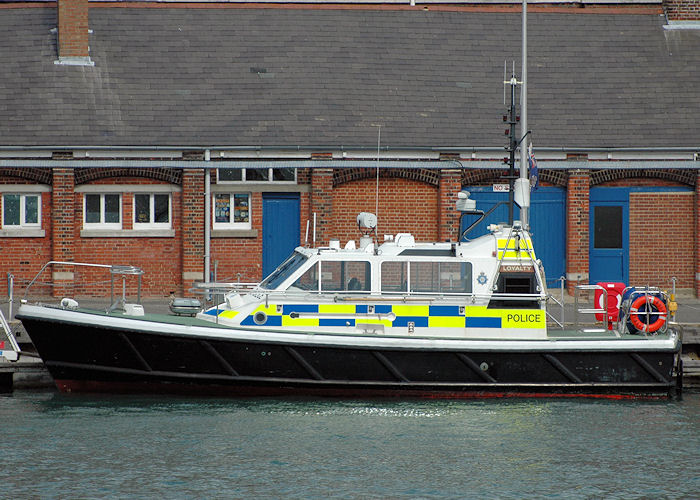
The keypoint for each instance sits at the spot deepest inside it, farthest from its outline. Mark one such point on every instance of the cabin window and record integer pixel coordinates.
(308, 280)
(351, 276)
(394, 276)
(152, 211)
(441, 277)
(21, 210)
(284, 271)
(103, 210)
(231, 211)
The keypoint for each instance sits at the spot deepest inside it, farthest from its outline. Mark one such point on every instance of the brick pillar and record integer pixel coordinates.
(192, 228)
(577, 230)
(63, 234)
(697, 243)
(73, 30)
(322, 204)
(682, 10)
(448, 217)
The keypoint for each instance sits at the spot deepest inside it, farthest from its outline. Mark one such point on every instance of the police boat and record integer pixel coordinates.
(396, 318)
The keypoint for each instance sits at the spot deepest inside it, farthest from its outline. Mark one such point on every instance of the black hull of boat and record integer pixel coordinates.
(87, 358)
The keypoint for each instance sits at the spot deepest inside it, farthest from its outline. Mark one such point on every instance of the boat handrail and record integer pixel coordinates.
(222, 287)
(217, 288)
(365, 296)
(585, 310)
(559, 302)
(114, 270)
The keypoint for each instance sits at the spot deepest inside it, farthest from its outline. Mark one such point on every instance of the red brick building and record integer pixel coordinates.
(195, 139)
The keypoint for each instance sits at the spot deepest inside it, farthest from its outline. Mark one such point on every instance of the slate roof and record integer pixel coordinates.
(306, 77)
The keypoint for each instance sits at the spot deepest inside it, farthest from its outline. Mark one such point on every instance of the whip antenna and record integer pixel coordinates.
(376, 196)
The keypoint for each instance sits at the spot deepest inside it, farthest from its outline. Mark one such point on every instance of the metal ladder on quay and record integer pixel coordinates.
(13, 354)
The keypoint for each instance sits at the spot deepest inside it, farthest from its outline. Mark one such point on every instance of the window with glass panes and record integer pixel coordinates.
(103, 210)
(231, 210)
(21, 210)
(151, 210)
(256, 174)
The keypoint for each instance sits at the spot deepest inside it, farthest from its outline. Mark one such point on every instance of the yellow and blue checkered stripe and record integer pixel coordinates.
(422, 316)
(524, 251)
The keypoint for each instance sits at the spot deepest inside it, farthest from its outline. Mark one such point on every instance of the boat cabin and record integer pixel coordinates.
(486, 287)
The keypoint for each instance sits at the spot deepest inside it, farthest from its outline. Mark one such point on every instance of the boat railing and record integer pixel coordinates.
(578, 310)
(644, 315)
(115, 271)
(616, 317)
(213, 293)
(559, 302)
(221, 289)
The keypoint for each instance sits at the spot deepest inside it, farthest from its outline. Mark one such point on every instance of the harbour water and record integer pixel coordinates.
(69, 446)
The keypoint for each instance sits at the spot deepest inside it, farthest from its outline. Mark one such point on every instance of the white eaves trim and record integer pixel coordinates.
(25, 188)
(128, 188)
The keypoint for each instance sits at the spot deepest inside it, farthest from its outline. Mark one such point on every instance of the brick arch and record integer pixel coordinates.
(428, 176)
(481, 176)
(38, 175)
(169, 175)
(554, 177)
(477, 177)
(685, 177)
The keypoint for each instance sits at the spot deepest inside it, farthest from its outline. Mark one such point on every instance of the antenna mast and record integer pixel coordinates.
(524, 160)
(511, 119)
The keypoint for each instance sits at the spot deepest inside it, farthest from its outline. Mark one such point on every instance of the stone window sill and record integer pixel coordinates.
(22, 233)
(234, 233)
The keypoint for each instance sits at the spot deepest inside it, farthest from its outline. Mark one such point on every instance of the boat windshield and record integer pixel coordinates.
(284, 271)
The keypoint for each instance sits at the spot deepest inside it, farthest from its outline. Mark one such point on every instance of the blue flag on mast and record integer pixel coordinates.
(534, 174)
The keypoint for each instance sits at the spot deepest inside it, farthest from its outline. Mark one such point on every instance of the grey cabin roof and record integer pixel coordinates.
(316, 77)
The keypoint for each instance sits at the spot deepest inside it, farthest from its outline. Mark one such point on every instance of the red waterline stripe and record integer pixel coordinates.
(82, 386)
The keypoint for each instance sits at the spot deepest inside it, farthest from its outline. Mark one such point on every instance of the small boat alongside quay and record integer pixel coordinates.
(397, 319)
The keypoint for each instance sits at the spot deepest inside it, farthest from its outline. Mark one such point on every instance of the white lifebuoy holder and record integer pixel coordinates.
(601, 301)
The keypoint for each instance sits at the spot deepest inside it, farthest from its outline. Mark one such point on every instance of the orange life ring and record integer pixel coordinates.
(654, 301)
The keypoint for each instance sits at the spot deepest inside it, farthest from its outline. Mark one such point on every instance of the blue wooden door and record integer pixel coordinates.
(280, 228)
(547, 223)
(609, 235)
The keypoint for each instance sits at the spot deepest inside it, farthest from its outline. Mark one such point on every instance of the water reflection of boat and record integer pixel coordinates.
(401, 318)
